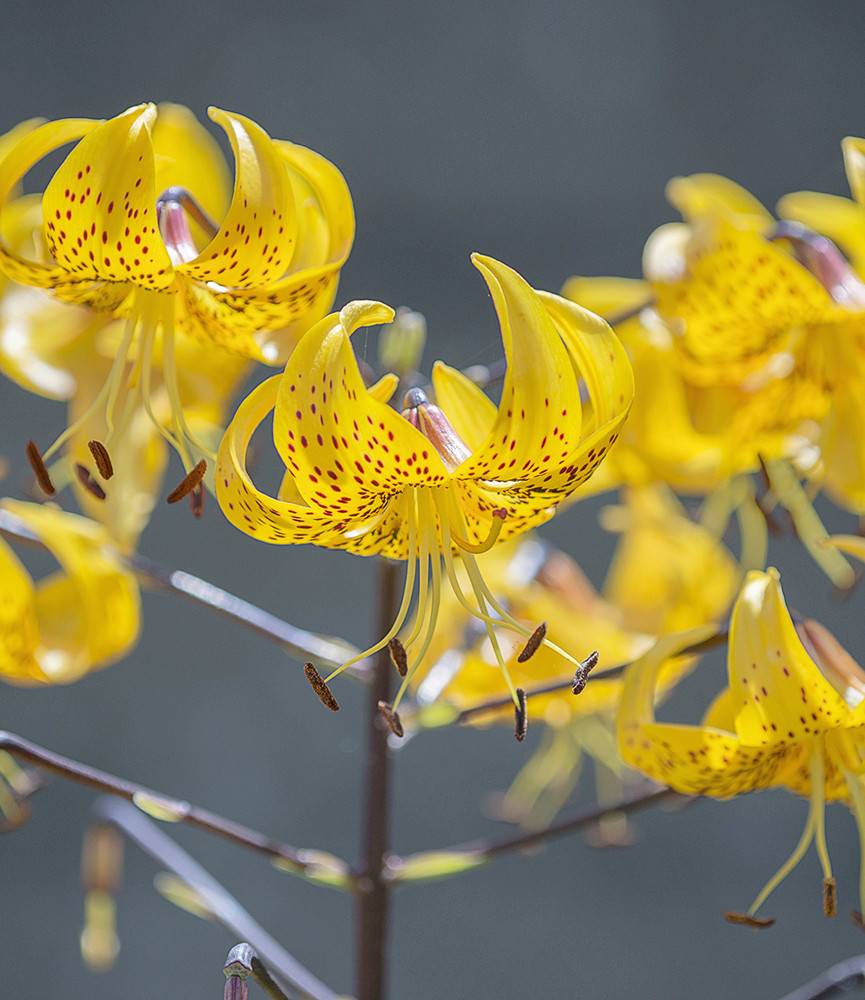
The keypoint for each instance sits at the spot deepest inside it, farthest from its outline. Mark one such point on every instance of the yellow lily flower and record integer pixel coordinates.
(79, 619)
(436, 480)
(64, 352)
(668, 573)
(127, 231)
(791, 716)
(750, 347)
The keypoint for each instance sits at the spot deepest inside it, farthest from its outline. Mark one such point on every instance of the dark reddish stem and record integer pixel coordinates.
(372, 892)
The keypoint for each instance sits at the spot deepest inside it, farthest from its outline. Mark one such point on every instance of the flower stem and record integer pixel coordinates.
(371, 888)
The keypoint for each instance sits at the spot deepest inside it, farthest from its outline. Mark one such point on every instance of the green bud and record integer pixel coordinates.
(401, 343)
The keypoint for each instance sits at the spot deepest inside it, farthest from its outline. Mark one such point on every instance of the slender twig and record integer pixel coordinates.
(505, 701)
(371, 887)
(302, 645)
(243, 961)
(832, 981)
(303, 862)
(485, 849)
(220, 904)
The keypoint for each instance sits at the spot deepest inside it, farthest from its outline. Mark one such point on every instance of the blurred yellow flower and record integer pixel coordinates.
(81, 618)
(437, 481)
(750, 343)
(791, 716)
(668, 573)
(125, 227)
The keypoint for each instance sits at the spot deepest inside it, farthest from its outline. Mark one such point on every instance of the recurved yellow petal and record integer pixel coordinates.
(607, 296)
(99, 208)
(86, 616)
(854, 163)
(256, 240)
(699, 196)
(779, 690)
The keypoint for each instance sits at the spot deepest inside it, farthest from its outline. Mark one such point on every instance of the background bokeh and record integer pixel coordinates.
(541, 133)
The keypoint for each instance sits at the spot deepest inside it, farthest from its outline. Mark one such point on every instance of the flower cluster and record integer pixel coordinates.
(142, 286)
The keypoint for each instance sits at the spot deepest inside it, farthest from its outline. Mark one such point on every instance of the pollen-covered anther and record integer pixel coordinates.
(521, 716)
(316, 682)
(189, 482)
(746, 920)
(392, 720)
(398, 656)
(581, 674)
(40, 470)
(88, 482)
(431, 421)
(102, 458)
(533, 644)
(830, 897)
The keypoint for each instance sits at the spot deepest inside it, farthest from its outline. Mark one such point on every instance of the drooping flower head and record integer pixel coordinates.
(748, 331)
(791, 716)
(138, 222)
(437, 480)
(81, 618)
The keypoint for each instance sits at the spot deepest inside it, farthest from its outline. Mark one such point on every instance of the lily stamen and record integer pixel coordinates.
(491, 539)
(40, 470)
(534, 643)
(189, 482)
(88, 482)
(102, 458)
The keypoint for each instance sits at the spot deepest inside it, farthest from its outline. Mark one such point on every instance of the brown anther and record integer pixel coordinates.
(533, 644)
(196, 502)
(393, 721)
(188, 483)
(40, 470)
(581, 674)
(858, 919)
(88, 482)
(521, 716)
(746, 920)
(101, 458)
(830, 898)
(316, 682)
(398, 656)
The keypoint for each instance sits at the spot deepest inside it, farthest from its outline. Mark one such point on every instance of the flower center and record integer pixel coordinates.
(431, 421)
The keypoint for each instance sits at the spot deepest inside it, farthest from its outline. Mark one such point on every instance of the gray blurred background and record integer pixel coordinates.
(541, 133)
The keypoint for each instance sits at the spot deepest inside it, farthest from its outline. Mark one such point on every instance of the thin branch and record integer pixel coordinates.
(314, 865)
(480, 851)
(832, 981)
(224, 908)
(299, 643)
(505, 701)
(243, 961)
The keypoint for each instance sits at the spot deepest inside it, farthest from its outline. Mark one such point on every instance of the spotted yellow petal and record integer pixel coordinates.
(466, 405)
(99, 208)
(31, 146)
(257, 237)
(347, 451)
(19, 628)
(740, 300)
(539, 416)
(780, 692)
